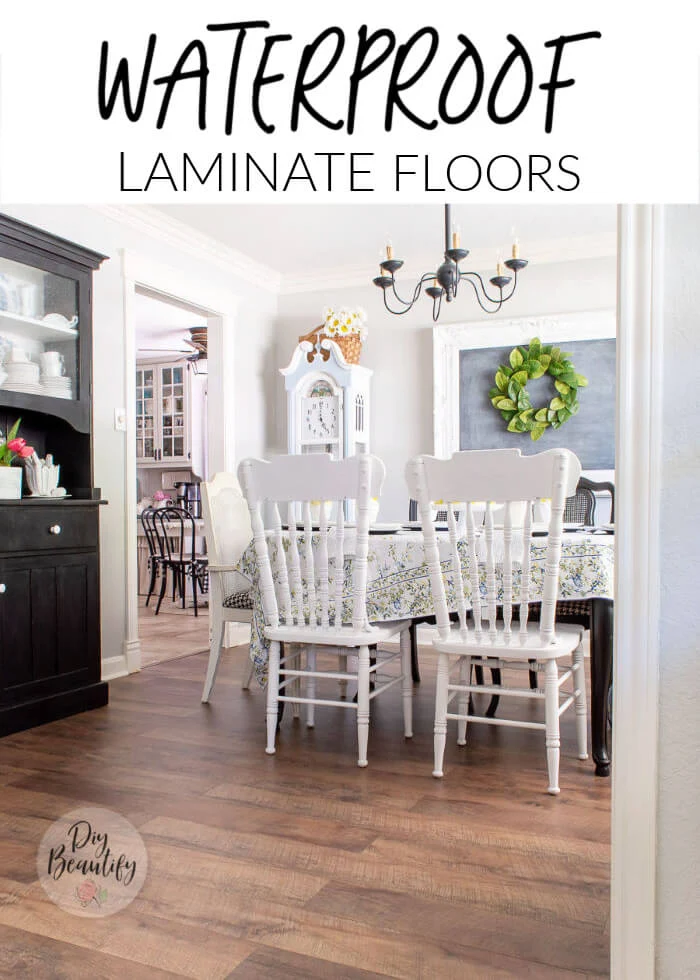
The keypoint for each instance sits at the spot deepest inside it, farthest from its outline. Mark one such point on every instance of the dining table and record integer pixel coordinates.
(399, 588)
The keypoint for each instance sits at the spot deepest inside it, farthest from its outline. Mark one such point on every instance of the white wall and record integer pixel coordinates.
(678, 854)
(254, 326)
(399, 350)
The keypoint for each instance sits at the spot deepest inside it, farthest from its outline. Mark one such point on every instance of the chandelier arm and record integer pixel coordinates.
(498, 303)
(407, 307)
(466, 275)
(426, 277)
(513, 286)
(437, 306)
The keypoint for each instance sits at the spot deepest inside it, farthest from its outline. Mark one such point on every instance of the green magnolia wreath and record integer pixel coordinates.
(510, 395)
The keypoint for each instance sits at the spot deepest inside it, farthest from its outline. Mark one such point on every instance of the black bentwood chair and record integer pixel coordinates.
(178, 535)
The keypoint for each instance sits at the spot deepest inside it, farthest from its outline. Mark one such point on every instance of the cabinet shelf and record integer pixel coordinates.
(36, 329)
(75, 413)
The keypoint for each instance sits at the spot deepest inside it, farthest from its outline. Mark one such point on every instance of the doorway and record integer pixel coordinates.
(159, 306)
(171, 463)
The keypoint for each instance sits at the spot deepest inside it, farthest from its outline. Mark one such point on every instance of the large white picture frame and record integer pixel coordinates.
(451, 338)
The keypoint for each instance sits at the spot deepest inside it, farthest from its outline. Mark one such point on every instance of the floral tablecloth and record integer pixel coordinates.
(399, 586)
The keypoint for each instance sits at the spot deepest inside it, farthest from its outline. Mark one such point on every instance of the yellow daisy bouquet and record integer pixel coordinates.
(344, 322)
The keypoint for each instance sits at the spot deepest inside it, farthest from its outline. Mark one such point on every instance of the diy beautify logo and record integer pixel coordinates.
(92, 862)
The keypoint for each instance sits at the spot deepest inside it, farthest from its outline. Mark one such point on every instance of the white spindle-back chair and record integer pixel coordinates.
(227, 532)
(500, 559)
(301, 575)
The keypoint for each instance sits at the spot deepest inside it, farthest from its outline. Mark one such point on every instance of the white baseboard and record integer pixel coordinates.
(236, 633)
(114, 667)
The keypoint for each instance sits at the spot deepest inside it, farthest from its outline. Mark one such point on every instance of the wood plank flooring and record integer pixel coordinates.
(300, 865)
(176, 632)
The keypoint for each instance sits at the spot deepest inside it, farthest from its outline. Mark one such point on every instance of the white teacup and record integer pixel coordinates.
(51, 364)
(17, 355)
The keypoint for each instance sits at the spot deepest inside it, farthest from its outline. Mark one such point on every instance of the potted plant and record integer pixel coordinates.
(12, 448)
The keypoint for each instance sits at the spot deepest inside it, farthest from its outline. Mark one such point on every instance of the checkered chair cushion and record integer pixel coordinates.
(239, 600)
(566, 609)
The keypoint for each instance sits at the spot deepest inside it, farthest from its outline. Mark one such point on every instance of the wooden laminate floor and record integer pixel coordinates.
(300, 865)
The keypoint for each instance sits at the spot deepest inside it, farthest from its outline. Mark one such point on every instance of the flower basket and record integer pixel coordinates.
(345, 327)
(350, 345)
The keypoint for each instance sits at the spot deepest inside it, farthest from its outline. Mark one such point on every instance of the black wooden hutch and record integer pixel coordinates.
(50, 651)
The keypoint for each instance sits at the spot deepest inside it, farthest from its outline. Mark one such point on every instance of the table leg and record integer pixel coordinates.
(601, 678)
(415, 671)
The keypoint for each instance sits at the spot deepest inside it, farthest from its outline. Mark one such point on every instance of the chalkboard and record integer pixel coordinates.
(590, 434)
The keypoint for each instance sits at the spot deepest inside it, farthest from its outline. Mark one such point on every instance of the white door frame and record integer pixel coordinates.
(638, 468)
(636, 661)
(220, 307)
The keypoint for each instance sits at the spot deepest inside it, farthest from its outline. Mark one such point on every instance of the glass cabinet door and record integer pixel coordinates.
(161, 413)
(39, 332)
(145, 414)
(172, 401)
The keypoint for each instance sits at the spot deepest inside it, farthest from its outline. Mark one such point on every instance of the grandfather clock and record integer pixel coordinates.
(327, 401)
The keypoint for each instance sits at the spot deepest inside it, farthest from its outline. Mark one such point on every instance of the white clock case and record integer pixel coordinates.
(350, 384)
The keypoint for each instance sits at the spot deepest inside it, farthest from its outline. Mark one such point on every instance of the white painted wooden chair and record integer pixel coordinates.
(301, 575)
(227, 532)
(500, 476)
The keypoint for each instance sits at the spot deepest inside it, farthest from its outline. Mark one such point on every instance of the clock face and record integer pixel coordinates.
(319, 418)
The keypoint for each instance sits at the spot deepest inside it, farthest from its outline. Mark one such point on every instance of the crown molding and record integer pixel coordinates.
(481, 260)
(178, 234)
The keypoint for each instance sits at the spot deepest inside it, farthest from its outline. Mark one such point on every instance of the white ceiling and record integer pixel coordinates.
(298, 241)
(161, 324)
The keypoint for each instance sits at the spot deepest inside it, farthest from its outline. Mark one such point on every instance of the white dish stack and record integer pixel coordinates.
(22, 375)
(53, 380)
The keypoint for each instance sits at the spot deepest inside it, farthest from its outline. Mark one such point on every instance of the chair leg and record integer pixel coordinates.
(296, 683)
(216, 639)
(406, 648)
(534, 680)
(551, 719)
(440, 731)
(310, 686)
(245, 686)
(343, 668)
(362, 705)
(580, 703)
(463, 700)
(163, 586)
(152, 583)
(496, 680)
(194, 591)
(273, 681)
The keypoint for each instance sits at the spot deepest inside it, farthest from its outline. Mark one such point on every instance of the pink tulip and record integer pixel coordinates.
(16, 445)
(25, 452)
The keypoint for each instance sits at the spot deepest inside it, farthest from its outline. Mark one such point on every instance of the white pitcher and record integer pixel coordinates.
(51, 364)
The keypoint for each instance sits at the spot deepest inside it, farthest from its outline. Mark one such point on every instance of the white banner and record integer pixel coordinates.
(151, 102)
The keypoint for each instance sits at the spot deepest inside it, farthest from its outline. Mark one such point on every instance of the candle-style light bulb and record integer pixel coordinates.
(516, 244)
(389, 249)
(455, 236)
(500, 268)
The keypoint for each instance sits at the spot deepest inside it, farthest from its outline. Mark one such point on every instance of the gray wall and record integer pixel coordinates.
(678, 854)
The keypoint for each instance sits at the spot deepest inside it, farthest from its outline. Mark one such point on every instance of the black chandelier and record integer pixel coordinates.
(448, 277)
